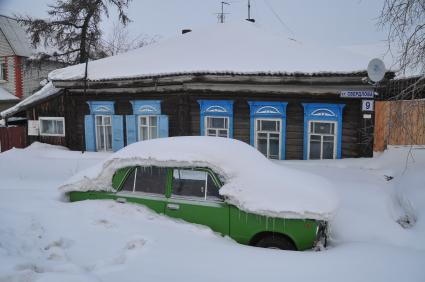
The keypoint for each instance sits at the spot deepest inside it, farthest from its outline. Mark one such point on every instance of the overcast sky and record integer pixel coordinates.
(334, 22)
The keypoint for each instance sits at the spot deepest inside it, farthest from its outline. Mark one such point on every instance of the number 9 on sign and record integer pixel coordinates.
(367, 105)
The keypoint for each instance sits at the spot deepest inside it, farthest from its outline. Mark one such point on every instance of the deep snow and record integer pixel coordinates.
(44, 238)
(251, 182)
(238, 47)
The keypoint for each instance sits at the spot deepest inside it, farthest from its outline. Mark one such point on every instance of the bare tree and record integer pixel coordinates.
(405, 20)
(73, 28)
(119, 40)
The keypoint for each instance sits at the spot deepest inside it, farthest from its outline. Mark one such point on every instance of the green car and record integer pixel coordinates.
(192, 194)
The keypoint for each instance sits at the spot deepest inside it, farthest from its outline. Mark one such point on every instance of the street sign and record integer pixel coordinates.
(357, 94)
(33, 127)
(367, 105)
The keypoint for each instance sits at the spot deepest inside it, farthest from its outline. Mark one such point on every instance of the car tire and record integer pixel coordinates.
(276, 242)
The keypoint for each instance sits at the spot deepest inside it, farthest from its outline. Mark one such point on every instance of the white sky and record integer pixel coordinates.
(334, 22)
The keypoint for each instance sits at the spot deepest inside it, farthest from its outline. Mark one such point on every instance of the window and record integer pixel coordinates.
(216, 118)
(267, 134)
(217, 126)
(322, 130)
(322, 139)
(148, 127)
(103, 132)
(150, 180)
(268, 128)
(198, 184)
(3, 71)
(52, 126)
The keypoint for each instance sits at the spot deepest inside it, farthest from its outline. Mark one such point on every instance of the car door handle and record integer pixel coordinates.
(173, 206)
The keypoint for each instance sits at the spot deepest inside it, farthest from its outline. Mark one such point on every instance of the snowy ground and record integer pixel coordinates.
(45, 238)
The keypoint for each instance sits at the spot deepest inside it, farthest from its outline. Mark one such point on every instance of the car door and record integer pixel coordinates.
(146, 186)
(194, 197)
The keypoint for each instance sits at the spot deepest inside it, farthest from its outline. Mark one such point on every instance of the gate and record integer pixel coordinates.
(399, 123)
(13, 136)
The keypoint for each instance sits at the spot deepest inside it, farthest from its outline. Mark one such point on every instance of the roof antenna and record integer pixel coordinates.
(249, 12)
(221, 16)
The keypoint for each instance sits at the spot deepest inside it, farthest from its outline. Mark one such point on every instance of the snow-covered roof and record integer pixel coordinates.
(252, 182)
(243, 48)
(43, 93)
(16, 36)
(6, 95)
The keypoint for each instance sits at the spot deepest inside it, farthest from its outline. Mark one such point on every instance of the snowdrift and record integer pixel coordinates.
(252, 182)
(235, 47)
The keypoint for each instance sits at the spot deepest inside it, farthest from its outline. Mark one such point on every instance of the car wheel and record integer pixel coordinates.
(276, 242)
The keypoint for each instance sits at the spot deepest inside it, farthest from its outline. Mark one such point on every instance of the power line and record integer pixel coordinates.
(278, 17)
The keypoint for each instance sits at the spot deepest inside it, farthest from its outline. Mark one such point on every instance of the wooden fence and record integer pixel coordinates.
(399, 123)
(12, 137)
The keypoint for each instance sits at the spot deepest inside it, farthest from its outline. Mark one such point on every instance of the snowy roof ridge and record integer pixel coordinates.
(231, 48)
(6, 95)
(45, 92)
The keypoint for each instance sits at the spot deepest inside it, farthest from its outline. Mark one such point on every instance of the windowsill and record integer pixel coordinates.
(2, 81)
(52, 135)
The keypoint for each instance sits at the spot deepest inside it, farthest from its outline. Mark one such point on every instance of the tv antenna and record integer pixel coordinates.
(249, 12)
(221, 16)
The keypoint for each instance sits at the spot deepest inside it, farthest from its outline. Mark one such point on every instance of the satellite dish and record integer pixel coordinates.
(376, 70)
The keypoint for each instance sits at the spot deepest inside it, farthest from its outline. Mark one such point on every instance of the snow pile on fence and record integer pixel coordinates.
(252, 182)
(237, 47)
(43, 93)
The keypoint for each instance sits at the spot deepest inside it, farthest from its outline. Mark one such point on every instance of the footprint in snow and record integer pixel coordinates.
(135, 244)
(104, 222)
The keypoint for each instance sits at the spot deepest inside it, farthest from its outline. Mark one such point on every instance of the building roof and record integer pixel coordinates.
(230, 48)
(46, 92)
(6, 95)
(16, 36)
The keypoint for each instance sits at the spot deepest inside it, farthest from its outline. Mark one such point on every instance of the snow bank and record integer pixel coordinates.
(238, 47)
(43, 93)
(252, 182)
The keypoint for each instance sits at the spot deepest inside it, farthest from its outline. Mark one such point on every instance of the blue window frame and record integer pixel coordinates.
(146, 122)
(268, 128)
(216, 118)
(322, 130)
(103, 129)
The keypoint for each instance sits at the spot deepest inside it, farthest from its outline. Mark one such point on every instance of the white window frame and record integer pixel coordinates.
(61, 119)
(1, 72)
(256, 131)
(309, 133)
(104, 133)
(148, 125)
(206, 128)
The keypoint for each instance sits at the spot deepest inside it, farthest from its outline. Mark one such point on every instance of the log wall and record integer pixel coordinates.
(184, 116)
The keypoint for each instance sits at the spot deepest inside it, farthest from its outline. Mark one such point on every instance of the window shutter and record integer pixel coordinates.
(131, 127)
(163, 126)
(89, 133)
(117, 133)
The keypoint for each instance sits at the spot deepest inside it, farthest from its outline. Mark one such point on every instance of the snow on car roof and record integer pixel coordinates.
(251, 182)
(234, 47)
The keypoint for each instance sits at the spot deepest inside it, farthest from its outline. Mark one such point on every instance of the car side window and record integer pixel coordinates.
(128, 184)
(195, 184)
(146, 180)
